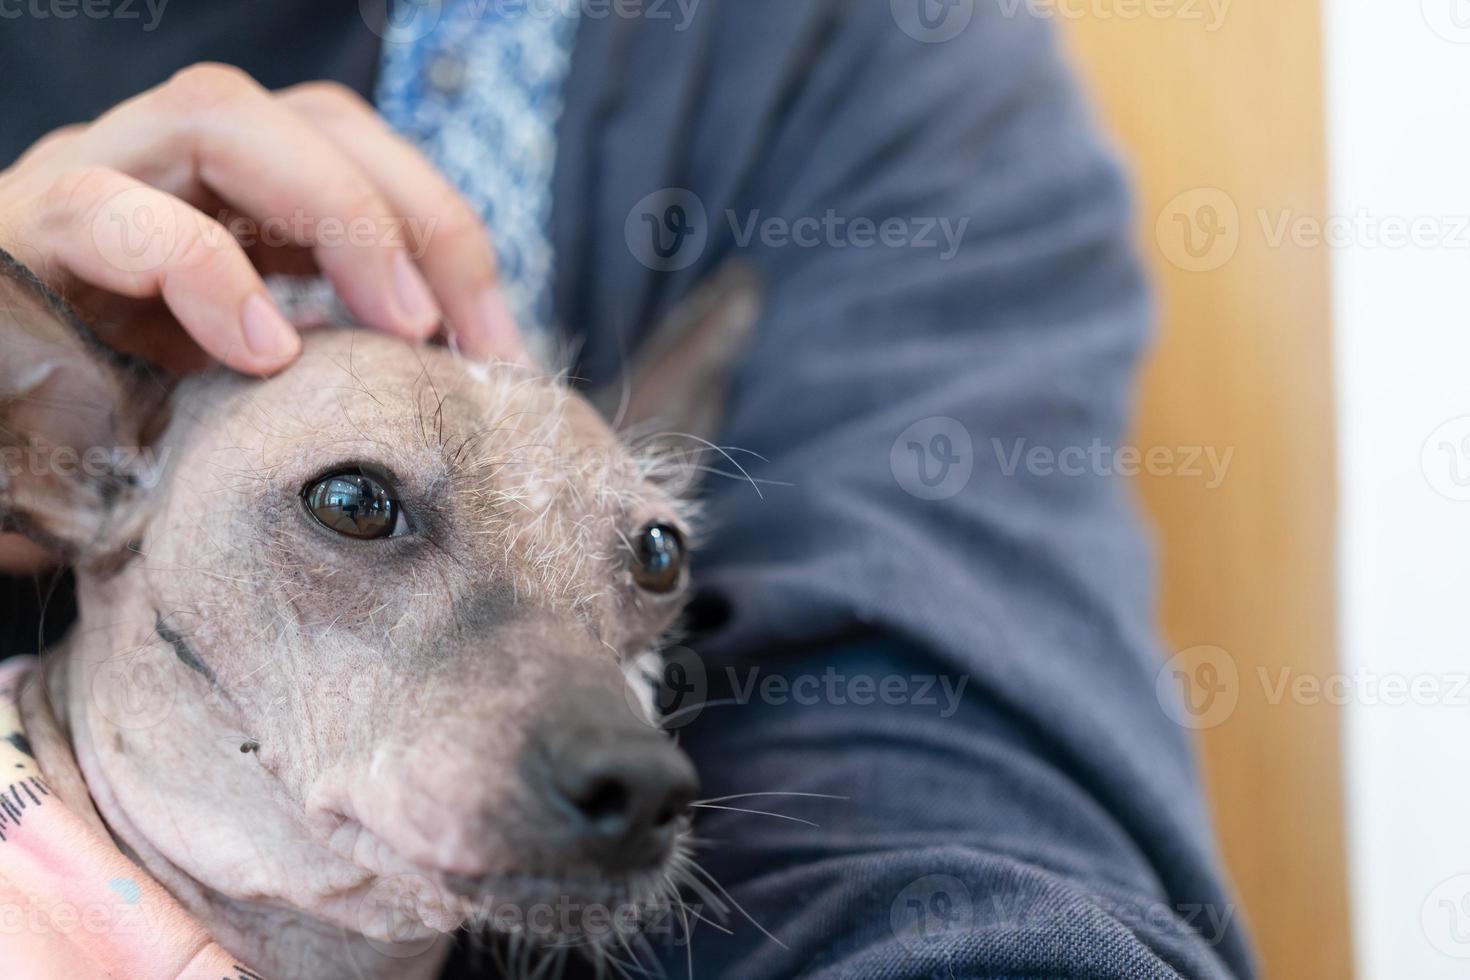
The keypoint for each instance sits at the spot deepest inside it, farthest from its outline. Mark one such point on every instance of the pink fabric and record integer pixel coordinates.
(72, 906)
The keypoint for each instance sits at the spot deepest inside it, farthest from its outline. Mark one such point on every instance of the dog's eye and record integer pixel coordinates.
(355, 504)
(658, 558)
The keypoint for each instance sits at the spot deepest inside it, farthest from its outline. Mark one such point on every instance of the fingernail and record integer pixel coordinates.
(498, 333)
(267, 334)
(415, 302)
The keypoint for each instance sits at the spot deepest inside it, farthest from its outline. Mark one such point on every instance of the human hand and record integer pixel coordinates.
(134, 218)
(122, 215)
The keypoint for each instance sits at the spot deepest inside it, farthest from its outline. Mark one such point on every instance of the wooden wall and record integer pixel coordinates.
(1219, 110)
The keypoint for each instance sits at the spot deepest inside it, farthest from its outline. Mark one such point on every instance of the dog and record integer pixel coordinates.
(361, 652)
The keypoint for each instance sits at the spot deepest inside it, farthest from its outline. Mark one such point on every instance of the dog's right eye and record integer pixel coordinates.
(355, 504)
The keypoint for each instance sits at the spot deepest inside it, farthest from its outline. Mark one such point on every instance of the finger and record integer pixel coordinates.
(269, 164)
(22, 556)
(449, 240)
(118, 234)
(48, 146)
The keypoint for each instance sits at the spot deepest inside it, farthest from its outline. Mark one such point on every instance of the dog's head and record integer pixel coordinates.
(357, 639)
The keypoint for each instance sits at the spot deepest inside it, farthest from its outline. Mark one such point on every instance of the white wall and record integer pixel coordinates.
(1398, 83)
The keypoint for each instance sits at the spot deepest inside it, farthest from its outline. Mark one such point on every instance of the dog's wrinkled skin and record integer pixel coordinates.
(314, 741)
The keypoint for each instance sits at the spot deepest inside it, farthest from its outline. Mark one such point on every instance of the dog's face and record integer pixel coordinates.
(356, 640)
(410, 590)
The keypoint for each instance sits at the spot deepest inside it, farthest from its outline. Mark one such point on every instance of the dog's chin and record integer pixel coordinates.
(545, 905)
(555, 908)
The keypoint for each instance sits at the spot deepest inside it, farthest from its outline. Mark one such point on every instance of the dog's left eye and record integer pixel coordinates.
(658, 558)
(355, 504)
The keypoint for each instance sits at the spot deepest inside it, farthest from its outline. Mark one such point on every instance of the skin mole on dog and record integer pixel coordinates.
(409, 591)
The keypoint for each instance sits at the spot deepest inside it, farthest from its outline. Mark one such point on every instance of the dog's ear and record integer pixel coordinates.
(677, 380)
(73, 418)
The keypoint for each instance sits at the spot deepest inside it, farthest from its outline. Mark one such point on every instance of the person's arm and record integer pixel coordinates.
(1048, 822)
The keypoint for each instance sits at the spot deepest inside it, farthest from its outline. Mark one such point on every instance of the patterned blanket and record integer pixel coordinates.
(71, 904)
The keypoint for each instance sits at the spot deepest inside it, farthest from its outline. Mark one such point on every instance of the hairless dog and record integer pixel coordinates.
(361, 646)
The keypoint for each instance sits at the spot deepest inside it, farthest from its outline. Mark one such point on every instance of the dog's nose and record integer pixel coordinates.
(625, 798)
(613, 789)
